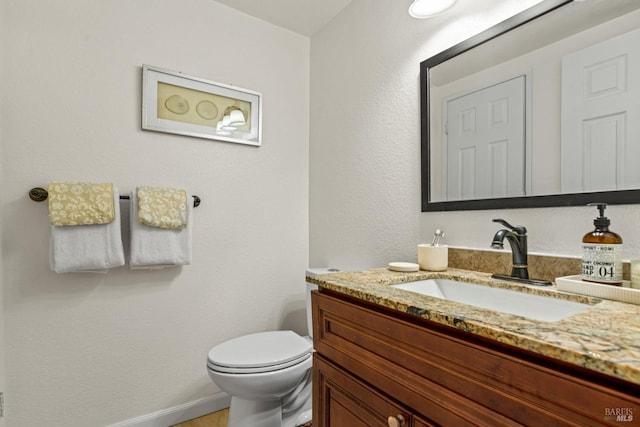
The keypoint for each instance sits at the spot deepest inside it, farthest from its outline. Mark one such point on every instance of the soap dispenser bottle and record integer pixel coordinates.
(602, 252)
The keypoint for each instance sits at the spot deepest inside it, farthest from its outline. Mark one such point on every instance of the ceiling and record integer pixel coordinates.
(305, 17)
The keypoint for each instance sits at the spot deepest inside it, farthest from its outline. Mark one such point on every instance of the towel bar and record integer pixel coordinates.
(39, 194)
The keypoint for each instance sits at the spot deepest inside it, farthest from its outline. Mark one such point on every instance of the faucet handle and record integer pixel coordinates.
(518, 229)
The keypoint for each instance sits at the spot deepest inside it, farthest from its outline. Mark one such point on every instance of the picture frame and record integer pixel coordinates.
(177, 103)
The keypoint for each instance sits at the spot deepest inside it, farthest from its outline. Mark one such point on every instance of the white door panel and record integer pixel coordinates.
(601, 116)
(484, 144)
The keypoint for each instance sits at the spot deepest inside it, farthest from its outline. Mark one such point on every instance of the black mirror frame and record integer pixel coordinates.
(573, 199)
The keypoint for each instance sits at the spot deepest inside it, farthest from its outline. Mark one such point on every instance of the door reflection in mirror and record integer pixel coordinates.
(601, 116)
(483, 142)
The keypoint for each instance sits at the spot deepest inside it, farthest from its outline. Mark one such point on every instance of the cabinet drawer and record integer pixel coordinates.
(453, 379)
(347, 401)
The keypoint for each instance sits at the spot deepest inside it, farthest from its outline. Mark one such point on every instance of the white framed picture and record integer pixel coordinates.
(177, 103)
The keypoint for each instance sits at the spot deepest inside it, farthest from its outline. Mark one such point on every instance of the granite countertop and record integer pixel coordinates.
(604, 338)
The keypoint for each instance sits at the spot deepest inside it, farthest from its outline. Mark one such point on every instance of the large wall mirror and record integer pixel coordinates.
(540, 110)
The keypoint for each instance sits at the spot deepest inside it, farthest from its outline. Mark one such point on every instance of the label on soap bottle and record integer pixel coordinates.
(602, 263)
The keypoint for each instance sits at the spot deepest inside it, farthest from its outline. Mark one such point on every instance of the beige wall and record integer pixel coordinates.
(365, 144)
(89, 350)
(2, 246)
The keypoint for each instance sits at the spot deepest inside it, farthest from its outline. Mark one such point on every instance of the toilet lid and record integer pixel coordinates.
(260, 352)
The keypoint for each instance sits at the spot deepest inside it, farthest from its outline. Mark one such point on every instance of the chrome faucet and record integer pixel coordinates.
(517, 237)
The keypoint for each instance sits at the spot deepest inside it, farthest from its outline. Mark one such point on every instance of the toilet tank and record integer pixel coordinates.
(314, 272)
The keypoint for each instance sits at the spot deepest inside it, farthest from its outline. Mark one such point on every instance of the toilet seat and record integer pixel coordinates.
(260, 352)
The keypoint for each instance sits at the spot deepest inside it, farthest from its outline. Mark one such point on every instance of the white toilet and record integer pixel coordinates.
(267, 374)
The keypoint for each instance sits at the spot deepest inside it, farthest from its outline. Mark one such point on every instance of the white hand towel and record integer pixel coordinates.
(87, 248)
(154, 247)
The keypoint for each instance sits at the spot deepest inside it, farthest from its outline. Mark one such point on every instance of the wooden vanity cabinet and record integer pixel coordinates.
(377, 367)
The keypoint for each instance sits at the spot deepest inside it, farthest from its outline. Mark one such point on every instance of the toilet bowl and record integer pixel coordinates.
(267, 374)
(261, 372)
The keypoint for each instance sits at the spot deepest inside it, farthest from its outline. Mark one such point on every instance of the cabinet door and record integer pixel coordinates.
(340, 400)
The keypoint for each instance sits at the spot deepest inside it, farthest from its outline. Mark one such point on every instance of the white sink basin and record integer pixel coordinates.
(507, 301)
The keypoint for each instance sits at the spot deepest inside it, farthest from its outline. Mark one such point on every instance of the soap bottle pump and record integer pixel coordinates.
(602, 252)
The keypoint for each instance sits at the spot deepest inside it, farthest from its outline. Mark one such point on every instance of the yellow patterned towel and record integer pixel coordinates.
(79, 203)
(162, 207)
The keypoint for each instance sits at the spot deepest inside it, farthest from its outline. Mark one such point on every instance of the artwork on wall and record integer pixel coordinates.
(176, 103)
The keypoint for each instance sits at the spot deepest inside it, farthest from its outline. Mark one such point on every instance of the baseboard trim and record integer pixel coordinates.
(180, 413)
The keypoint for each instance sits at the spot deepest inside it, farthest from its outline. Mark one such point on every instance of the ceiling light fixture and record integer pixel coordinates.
(427, 8)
